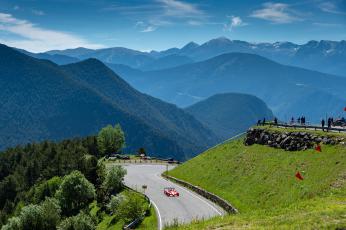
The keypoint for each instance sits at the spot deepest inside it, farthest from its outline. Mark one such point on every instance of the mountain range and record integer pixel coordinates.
(288, 91)
(324, 56)
(41, 100)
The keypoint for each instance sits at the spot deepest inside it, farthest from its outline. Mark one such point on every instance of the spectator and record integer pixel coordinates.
(275, 121)
(258, 122)
(303, 120)
(299, 120)
(264, 121)
(292, 120)
(323, 123)
(329, 123)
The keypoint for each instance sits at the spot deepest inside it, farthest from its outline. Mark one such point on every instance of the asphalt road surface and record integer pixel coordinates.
(185, 208)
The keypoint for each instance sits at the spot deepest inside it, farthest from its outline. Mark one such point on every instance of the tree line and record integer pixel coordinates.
(50, 185)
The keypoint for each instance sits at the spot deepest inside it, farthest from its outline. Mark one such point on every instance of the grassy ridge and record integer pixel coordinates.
(260, 182)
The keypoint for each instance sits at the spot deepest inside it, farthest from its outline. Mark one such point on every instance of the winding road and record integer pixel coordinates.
(185, 208)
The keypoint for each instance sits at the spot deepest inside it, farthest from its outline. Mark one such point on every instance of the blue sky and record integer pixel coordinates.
(41, 25)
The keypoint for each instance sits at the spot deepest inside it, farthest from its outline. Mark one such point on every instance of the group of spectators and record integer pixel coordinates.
(263, 122)
(300, 120)
(329, 123)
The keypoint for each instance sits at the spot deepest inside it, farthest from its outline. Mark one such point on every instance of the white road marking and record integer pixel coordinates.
(195, 196)
(158, 213)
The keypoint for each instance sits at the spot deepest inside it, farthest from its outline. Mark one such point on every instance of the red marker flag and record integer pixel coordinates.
(299, 176)
(318, 148)
(345, 109)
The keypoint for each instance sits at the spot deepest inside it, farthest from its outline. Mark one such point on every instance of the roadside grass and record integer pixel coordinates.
(260, 182)
(150, 221)
(320, 213)
(106, 221)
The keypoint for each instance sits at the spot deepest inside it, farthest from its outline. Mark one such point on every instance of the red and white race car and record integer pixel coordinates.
(171, 192)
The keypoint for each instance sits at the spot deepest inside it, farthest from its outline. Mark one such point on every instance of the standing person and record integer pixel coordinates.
(303, 120)
(299, 120)
(275, 121)
(322, 123)
(264, 121)
(292, 120)
(329, 123)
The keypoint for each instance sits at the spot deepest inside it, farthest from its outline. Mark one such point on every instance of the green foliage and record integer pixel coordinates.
(13, 223)
(114, 202)
(45, 189)
(111, 139)
(38, 217)
(75, 193)
(114, 180)
(31, 217)
(131, 207)
(50, 213)
(90, 168)
(78, 222)
(8, 190)
(23, 167)
(150, 221)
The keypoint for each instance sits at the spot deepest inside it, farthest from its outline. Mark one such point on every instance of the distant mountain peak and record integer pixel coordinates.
(190, 45)
(219, 40)
(91, 61)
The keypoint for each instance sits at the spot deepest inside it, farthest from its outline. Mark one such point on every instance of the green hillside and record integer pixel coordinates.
(229, 114)
(260, 182)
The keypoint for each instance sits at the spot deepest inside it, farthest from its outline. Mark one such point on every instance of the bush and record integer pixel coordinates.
(13, 223)
(50, 213)
(75, 193)
(114, 203)
(110, 139)
(79, 222)
(133, 206)
(45, 189)
(31, 217)
(114, 180)
(39, 217)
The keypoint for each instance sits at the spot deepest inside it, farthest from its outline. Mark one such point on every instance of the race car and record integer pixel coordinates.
(171, 192)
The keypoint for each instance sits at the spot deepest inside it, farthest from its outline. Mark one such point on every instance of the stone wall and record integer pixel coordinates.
(290, 141)
(208, 195)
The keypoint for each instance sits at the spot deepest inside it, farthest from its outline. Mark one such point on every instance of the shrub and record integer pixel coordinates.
(114, 180)
(13, 223)
(114, 203)
(110, 139)
(46, 189)
(79, 222)
(50, 213)
(39, 217)
(133, 206)
(75, 193)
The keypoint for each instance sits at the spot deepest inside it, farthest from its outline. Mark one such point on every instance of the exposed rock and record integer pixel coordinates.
(290, 141)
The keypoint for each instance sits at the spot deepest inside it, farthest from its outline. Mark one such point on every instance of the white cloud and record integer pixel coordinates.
(276, 12)
(234, 21)
(38, 12)
(36, 39)
(330, 7)
(145, 27)
(180, 9)
(149, 29)
(161, 13)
